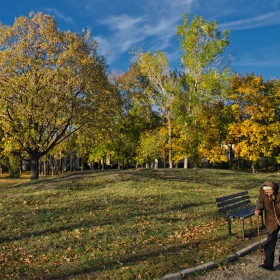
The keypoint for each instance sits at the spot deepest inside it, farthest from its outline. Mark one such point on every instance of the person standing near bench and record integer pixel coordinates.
(269, 200)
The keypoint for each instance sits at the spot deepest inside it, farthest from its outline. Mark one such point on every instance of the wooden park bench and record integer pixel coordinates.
(236, 206)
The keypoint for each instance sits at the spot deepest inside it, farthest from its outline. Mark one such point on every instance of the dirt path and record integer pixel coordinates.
(245, 268)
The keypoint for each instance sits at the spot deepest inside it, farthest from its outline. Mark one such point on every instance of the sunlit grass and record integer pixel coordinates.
(132, 224)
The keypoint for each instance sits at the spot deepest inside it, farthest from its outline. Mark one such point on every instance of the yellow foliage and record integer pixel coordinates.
(49, 82)
(215, 155)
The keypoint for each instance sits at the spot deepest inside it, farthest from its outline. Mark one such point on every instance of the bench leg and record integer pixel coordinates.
(243, 234)
(251, 221)
(229, 226)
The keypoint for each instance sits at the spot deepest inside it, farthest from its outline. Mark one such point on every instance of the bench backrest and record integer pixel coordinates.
(232, 202)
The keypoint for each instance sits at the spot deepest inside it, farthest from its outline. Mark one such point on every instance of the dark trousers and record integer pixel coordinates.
(269, 248)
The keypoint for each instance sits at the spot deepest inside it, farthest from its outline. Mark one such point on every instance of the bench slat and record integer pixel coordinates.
(247, 212)
(231, 196)
(234, 201)
(235, 206)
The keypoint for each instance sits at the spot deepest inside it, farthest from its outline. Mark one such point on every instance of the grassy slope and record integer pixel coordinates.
(131, 224)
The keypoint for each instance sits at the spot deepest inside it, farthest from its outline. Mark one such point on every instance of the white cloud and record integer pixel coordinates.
(60, 15)
(268, 19)
(121, 23)
(152, 32)
(131, 32)
(154, 26)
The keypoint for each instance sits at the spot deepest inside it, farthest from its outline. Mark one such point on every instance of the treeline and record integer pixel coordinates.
(58, 101)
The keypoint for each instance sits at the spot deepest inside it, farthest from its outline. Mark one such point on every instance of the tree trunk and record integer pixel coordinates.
(35, 167)
(266, 165)
(103, 163)
(170, 142)
(186, 158)
(61, 165)
(82, 166)
(156, 164)
(45, 168)
(52, 166)
(231, 156)
(253, 168)
(186, 162)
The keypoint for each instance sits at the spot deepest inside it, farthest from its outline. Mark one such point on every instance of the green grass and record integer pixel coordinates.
(131, 224)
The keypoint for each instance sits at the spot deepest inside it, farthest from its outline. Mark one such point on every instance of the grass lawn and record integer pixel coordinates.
(118, 224)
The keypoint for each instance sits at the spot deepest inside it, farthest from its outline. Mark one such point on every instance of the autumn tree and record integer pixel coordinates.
(255, 131)
(137, 113)
(49, 81)
(273, 92)
(178, 143)
(165, 84)
(214, 119)
(94, 139)
(206, 71)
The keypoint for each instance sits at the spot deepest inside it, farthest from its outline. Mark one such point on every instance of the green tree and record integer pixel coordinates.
(206, 72)
(165, 85)
(137, 114)
(49, 81)
(94, 139)
(150, 147)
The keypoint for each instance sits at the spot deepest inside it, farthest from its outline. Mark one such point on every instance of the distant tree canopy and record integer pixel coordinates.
(49, 84)
(54, 87)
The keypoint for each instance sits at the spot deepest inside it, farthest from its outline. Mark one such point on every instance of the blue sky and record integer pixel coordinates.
(121, 25)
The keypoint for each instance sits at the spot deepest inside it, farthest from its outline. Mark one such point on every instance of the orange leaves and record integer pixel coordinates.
(69, 255)
(15, 255)
(27, 260)
(193, 233)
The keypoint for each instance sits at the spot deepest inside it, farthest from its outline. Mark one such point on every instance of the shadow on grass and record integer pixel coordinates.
(151, 256)
(129, 209)
(46, 217)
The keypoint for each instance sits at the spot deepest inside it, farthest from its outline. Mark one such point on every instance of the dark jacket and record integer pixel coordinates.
(270, 205)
